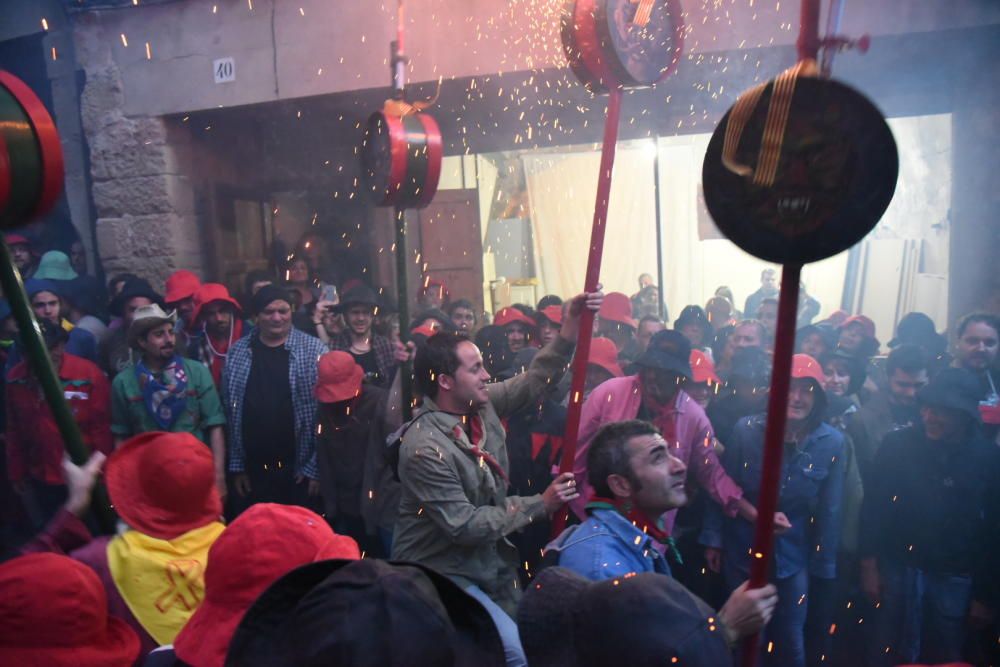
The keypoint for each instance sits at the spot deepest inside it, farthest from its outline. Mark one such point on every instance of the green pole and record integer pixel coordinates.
(38, 356)
(403, 293)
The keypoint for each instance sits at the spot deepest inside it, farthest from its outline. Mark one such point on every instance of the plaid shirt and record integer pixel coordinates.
(303, 353)
(385, 358)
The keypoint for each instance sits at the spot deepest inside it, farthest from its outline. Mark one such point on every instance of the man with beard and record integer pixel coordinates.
(976, 351)
(162, 391)
(372, 352)
(891, 410)
(215, 325)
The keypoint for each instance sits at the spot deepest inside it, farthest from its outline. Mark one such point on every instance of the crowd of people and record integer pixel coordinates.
(276, 507)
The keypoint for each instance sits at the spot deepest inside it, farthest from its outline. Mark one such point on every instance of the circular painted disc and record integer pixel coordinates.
(836, 176)
(642, 39)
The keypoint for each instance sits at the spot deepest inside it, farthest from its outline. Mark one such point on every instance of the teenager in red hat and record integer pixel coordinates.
(181, 288)
(808, 522)
(254, 551)
(615, 322)
(704, 382)
(163, 487)
(602, 365)
(857, 337)
(216, 323)
(549, 323)
(54, 613)
(518, 327)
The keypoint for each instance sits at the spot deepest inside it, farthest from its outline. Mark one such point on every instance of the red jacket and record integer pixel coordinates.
(34, 445)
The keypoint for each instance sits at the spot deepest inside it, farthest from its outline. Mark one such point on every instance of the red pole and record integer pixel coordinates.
(808, 42)
(777, 403)
(579, 368)
(774, 440)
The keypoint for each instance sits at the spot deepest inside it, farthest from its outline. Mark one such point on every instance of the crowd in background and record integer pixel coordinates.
(255, 450)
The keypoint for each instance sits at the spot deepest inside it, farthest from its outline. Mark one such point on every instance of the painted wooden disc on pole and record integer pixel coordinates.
(401, 159)
(622, 43)
(833, 175)
(31, 159)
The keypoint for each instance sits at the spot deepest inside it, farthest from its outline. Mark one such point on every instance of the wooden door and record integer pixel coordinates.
(451, 246)
(241, 236)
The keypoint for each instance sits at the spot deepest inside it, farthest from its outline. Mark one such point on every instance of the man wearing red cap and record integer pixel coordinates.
(163, 487)
(808, 522)
(352, 420)
(24, 257)
(216, 323)
(518, 327)
(857, 337)
(615, 322)
(549, 323)
(181, 288)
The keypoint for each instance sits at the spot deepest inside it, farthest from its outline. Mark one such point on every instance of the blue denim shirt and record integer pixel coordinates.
(605, 546)
(812, 487)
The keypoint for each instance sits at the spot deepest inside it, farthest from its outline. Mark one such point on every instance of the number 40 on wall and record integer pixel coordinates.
(224, 70)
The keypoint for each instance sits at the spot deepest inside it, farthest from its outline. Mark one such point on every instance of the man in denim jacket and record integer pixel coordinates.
(807, 524)
(636, 480)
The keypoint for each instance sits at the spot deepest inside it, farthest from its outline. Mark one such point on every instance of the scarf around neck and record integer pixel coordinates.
(165, 399)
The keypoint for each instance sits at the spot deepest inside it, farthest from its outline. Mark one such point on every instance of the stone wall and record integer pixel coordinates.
(146, 222)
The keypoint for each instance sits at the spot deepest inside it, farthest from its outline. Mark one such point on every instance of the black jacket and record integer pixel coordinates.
(935, 506)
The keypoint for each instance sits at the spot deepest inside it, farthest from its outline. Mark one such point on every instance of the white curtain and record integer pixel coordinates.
(562, 188)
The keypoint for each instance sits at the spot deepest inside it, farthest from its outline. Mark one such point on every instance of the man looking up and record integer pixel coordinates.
(637, 481)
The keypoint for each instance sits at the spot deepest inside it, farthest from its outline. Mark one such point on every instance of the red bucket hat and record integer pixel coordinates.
(54, 612)
(163, 484)
(258, 548)
(617, 307)
(181, 285)
(866, 324)
(210, 292)
(603, 353)
(804, 366)
(339, 377)
(509, 315)
(702, 368)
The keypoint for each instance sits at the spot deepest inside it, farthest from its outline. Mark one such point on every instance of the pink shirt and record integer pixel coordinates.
(685, 427)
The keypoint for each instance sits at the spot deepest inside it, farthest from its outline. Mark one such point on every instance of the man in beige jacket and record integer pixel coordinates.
(454, 513)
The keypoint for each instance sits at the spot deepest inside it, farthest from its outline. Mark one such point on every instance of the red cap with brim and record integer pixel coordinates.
(805, 367)
(55, 613)
(339, 377)
(258, 548)
(163, 484)
(866, 324)
(210, 292)
(181, 285)
(604, 354)
(510, 315)
(553, 314)
(702, 368)
(617, 307)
